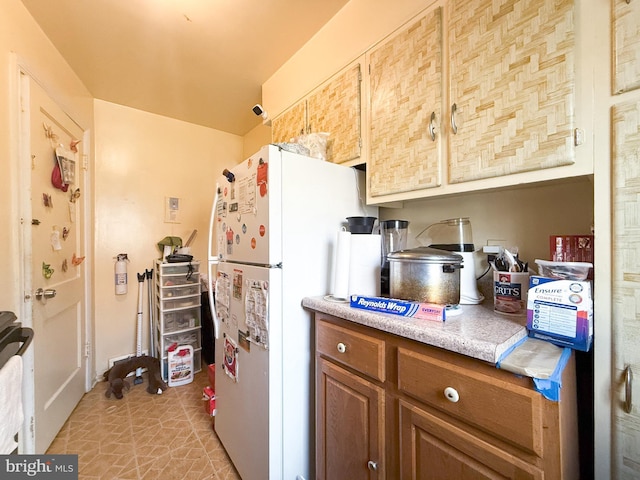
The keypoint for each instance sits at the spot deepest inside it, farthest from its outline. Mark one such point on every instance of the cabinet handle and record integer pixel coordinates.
(628, 383)
(454, 127)
(373, 466)
(341, 347)
(432, 126)
(451, 394)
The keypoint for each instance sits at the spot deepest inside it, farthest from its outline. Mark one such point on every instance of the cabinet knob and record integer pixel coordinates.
(373, 466)
(451, 394)
(341, 347)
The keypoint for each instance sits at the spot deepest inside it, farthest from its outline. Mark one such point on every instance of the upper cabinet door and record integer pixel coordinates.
(625, 284)
(512, 84)
(335, 109)
(290, 124)
(405, 105)
(626, 45)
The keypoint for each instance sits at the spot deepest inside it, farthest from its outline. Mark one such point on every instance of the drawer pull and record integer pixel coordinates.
(454, 127)
(373, 466)
(432, 126)
(451, 394)
(628, 381)
(341, 347)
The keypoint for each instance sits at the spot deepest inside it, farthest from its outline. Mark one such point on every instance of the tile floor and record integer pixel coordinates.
(144, 436)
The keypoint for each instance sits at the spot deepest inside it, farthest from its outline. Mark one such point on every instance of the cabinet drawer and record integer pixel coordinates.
(180, 320)
(506, 410)
(179, 302)
(186, 269)
(179, 291)
(191, 337)
(179, 279)
(353, 349)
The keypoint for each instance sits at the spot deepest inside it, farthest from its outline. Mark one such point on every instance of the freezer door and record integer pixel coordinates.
(245, 385)
(247, 224)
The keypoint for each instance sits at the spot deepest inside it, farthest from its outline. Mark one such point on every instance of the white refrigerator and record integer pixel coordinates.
(275, 221)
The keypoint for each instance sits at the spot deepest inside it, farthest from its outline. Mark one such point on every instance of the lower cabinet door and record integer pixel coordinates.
(432, 449)
(350, 425)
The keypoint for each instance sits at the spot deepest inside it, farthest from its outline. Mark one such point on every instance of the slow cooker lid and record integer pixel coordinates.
(425, 255)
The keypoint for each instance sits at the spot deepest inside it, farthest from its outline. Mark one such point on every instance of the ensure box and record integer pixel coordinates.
(561, 312)
(404, 308)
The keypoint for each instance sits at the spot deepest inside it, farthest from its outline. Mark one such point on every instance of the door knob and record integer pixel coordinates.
(48, 293)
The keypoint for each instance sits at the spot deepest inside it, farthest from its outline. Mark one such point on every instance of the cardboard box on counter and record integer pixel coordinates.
(404, 308)
(561, 312)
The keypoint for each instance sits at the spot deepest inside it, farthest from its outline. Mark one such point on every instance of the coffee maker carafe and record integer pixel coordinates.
(394, 238)
(454, 235)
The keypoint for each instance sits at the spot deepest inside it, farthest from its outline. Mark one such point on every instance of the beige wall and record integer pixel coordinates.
(141, 158)
(23, 43)
(255, 139)
(522, 217)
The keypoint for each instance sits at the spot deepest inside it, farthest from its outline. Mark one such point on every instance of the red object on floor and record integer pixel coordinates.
(209, 397)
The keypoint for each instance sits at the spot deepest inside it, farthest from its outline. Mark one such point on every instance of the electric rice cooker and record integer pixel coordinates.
(425, 274)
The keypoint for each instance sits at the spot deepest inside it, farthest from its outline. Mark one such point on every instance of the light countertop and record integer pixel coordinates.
(477, 332)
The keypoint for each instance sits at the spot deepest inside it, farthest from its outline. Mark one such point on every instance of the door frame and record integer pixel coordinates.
(20, 95)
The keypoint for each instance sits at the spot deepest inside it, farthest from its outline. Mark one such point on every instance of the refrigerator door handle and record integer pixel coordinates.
(213, 260)
(212, 303)
(211, 223)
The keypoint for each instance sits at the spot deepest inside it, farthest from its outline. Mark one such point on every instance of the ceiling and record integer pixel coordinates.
(201, 61)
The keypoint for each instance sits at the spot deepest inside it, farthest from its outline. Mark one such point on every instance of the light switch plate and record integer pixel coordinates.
(171, 210)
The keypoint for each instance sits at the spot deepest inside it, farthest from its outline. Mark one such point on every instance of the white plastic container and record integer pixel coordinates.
(180, 365)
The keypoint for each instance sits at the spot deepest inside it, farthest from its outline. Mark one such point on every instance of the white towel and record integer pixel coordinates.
(11, 415)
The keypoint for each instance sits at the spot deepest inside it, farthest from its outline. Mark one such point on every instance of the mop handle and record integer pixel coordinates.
(152, 348)
(140, 313)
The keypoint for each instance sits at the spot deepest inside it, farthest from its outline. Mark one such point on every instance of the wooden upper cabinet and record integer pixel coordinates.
(625, 286)
(405, 104)
(512, 81)
(626, 45)
(290, 124)
(333, 108)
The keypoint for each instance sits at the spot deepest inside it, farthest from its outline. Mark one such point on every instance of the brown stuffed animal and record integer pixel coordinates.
(116, 375)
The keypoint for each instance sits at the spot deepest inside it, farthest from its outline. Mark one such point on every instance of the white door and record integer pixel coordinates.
(54, 244)
(626, 290)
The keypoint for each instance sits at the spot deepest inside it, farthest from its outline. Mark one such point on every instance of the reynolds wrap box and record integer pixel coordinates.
(561, 312)
(404, 308)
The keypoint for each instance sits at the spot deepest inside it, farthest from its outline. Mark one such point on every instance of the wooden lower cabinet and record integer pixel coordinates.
(392, 408)
(351, 425)
(430, 448)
